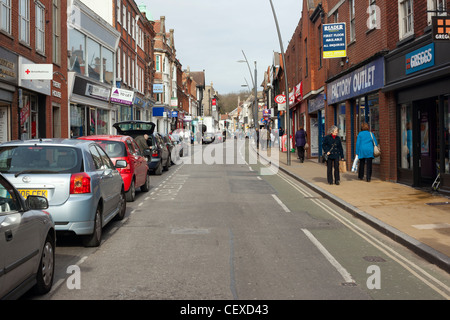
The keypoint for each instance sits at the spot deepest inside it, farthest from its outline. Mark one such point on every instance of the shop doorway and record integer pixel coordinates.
(425, 142)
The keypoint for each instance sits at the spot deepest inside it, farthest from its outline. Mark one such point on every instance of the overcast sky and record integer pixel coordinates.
(211, 34)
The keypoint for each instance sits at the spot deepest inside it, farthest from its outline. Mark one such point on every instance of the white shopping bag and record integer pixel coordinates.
(355, 164)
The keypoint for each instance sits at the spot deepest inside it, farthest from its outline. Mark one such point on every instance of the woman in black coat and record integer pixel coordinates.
(332, 147)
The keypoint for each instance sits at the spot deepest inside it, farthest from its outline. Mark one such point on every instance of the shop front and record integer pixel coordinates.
(419, 78)
(33, 98)
(8, 84)
(355, 99)
(90, 111)
(162, 117)
(316, 115)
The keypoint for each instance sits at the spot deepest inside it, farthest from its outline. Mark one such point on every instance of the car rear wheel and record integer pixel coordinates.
(122, 206)
(166, 167)
(94, 239)
(159, 168)
(146, 186)
(131, 193)
(44, 277)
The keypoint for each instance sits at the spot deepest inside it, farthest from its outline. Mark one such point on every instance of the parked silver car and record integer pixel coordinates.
(83, 187)
(27, 243)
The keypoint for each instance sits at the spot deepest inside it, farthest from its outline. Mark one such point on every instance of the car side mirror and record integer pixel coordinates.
(121, 164)
(37, 202)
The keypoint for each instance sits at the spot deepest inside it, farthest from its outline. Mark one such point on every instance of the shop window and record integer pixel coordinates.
(406, 152)
(447, 133)
(77, 121)
(102, 121)
(93, 59)
(108, 66)
(368, 111)
(77, 49)
(342, 125)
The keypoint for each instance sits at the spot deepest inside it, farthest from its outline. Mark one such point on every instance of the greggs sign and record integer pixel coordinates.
(420, 59)
(441, 28)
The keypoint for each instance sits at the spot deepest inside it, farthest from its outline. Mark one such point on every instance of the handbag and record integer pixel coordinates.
(376, 149)
(306, 146)
(325, 156)
(343, 166)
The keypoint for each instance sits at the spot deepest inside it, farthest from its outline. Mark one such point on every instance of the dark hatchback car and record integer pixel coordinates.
(158, 156)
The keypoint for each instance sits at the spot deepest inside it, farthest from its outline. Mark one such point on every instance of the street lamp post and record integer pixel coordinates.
(254, 81)
(288, 117)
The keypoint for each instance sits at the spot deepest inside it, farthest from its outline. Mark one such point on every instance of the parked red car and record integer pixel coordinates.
(124, 148)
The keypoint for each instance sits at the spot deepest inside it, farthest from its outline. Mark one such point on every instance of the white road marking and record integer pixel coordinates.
(417, 271)
(281, 203)
(344, 273)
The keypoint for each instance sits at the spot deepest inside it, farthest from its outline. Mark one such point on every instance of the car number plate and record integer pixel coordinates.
(33, 192)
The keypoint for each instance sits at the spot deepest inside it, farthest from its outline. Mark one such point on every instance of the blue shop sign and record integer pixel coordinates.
(316, 103)
(158, 111)
(420, 59)
(359, 82)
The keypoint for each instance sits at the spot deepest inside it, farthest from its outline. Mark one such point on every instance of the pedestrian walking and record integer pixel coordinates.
(300, 142)
(263, 138)
(364, 150)
(332, 149)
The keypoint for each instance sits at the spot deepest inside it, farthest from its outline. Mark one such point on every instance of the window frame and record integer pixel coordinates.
(26, 20)
(40, 27)
(5, 5)
(56, 31)
(352, 18)
(403, 19)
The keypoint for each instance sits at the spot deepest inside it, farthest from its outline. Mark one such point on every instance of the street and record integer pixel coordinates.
(216, 231)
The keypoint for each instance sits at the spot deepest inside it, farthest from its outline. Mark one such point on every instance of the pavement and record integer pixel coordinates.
(415, 218)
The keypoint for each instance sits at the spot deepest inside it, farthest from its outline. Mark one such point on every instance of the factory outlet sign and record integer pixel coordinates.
(361, 81)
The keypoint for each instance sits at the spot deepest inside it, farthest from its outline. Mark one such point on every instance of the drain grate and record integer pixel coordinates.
(374, 259)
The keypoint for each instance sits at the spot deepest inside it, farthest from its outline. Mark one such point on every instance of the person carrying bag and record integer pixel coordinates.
(365, 145)
(333, 152)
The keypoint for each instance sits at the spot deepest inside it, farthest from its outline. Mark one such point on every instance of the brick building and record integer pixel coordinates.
(165, 76)
(418, 91)
(33, 32)
(381, 79)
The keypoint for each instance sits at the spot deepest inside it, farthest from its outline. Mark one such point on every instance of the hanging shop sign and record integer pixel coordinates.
(36, 71)
(334, 41)
(441, 28)
(158, 88)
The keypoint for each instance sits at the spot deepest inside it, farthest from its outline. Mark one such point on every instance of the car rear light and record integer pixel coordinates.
(80, 183)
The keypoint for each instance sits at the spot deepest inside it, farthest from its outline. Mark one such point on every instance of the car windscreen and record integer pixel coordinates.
(40, 159)
(114, 149)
